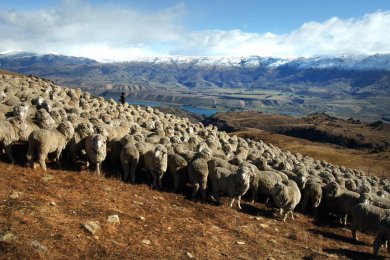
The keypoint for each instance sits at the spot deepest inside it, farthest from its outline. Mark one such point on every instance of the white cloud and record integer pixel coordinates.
(107, 32)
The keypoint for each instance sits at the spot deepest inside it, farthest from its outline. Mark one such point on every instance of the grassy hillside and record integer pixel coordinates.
(42, 216)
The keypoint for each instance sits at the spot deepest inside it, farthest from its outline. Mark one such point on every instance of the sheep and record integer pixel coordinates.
(340, 200)
(377, 200)
(177, 167)
(76, 143)
(266, 181)
(382, 235)
(366, 217)
(198, 172)
(8, 135)
(96, 149)
(312, 193)
(235, 184)
(286, 197)
(129, 157)
(156, 162)
(41, 142)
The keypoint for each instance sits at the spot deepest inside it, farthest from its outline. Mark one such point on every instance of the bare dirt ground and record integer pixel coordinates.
(42, 216)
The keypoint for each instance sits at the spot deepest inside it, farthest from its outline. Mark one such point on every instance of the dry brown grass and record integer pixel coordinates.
(173, 224)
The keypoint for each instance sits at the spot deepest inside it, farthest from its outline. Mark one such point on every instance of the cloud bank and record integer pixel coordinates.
(111, 33)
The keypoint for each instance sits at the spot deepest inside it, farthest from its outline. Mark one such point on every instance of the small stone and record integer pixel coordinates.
(146, 242)
(92, 226)
(96, 237)
(270, 258)
(78, 236)
(263, 225)
(189, 255)
(142, 218)
(8, 237)
(136, 202)
(38, 246)
(52, 203)
(48, 177)
(15, 195)
(273, 241)
(113, 219)
(276, 230)
(240, 243)
(257, 218)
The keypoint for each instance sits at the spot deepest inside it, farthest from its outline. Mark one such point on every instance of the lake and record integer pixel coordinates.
(195, 110)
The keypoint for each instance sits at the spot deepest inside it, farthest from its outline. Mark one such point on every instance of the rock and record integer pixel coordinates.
(15, 195)
(38, 246)
(272, 241)
(276, 230)
(263, 225)
(142, 218)
(52, 203)
(8, 237)
(48, 177)
(240, 243)
(113, 219)
(92, 226)
(136, 202)
(146, 242)
(270, 258)
(189, 255)
(257, 218)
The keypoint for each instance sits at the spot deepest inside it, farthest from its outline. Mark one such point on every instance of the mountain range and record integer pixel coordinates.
(301, 85)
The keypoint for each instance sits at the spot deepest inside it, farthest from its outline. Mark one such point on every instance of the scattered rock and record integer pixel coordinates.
(257, 218)
(38, 246)
(270, 258)
(48, 177)
(52, 203)
(15, 195)
(146, 241)
(92, 226)
(8, 237)
(272, 241)
(240, 243)
(276, 230)
(136, 202)
(142, 218)
(189, 255)
(113, 219)
(264, 225)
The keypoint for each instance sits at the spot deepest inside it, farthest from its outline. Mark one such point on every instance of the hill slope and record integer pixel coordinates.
(41, 215)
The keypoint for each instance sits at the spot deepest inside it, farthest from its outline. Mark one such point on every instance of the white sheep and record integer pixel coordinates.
(198, 172)
(129, 157)
(96, 149)
(235, 184)
(41, 142)
(286, 197)
(382, 235)
(156, 162)
(366, 217)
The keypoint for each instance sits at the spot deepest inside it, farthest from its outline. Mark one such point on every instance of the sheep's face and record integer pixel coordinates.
(66, 128)
(365, 198)
(278, 189)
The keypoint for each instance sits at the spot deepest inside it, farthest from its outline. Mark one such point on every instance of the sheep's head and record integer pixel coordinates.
(101, 130)
(331, 190)
(365, 198)
(278, 190)
(98, 142)
(84, 130)
(66, 128)
(161, 157)
(127, 139)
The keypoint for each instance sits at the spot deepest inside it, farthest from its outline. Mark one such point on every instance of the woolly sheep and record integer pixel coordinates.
(177, 167)
(366, 217)
(198, 172)
(96, 149)
(382, 235)
(129, 157)
(156, 162)
(340, 200)
(235, 184)
(41, 142)
(286, 197)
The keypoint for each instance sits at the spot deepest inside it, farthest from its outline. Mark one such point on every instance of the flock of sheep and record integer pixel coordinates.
(74, 126)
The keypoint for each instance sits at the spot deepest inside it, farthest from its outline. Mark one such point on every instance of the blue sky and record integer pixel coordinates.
(120, 30)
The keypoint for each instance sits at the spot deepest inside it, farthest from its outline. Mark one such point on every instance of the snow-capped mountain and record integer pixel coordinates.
(352, 62)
